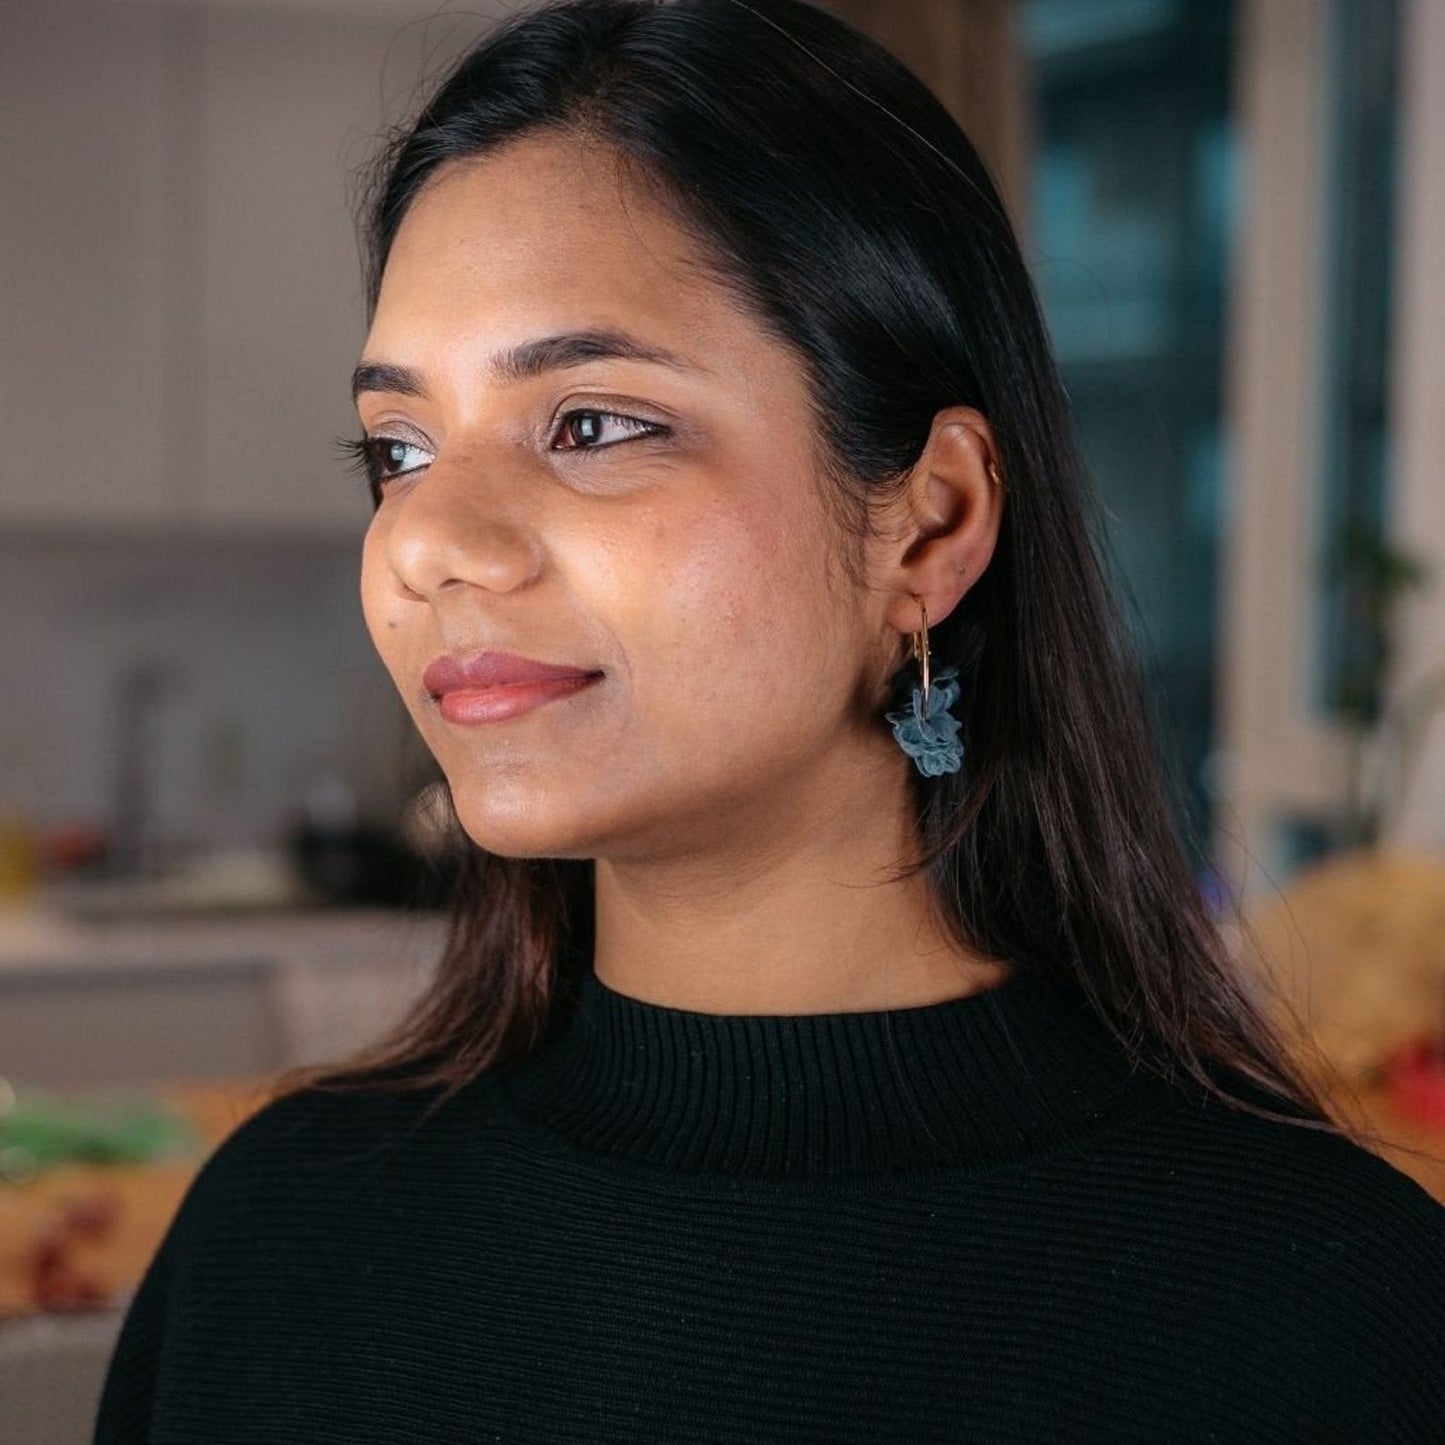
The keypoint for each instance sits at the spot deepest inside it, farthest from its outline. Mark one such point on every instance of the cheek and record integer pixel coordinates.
(381, 608)
(724, 623)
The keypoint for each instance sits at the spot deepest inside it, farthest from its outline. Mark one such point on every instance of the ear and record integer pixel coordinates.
(940, 533)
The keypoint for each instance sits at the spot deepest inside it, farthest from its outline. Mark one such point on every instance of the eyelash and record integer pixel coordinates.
(366, 455)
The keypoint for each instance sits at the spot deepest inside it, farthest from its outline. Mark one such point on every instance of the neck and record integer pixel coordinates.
(808, 922)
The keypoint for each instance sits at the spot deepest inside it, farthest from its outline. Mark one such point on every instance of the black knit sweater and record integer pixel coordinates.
(962, 1222)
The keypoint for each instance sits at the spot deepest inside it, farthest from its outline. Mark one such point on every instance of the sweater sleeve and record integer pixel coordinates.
(124, 1410)
(132, 1394)
(1398, 1327)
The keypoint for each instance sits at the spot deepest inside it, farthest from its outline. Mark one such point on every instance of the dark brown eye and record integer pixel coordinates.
(391, 457)
(381, 459)
(591, 429)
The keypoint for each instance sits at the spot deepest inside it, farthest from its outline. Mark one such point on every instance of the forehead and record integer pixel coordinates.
(548, 229)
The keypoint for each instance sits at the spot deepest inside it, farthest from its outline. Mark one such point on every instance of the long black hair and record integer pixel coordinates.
(845, 208)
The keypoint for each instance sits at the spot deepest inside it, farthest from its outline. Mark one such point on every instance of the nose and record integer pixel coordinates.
(452, 529)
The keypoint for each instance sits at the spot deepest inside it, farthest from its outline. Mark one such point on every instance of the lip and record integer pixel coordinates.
(476, 670)
(485, 687)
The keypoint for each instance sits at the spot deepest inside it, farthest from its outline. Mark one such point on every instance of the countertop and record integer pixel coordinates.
(42, 937)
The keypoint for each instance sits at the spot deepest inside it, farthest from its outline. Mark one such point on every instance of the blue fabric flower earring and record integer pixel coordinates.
(926, 730)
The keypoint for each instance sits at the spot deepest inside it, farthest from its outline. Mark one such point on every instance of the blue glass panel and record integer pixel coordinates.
(1353, 571)
(1134, 193)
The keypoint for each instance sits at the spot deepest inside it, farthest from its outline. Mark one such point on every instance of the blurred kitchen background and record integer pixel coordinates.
(213, 852)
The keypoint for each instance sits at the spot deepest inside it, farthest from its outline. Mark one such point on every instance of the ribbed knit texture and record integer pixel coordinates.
(968, 1221)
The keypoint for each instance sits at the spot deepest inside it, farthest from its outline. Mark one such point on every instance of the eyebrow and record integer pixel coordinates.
(528, 359)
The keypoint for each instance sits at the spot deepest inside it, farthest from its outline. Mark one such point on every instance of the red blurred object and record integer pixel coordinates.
(1415, 1079)
(93, 1215)
(66, 1289)
(72, 845)
(56, 1283)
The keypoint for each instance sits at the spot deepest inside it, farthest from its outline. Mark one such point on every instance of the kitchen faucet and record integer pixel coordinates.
(136, 844)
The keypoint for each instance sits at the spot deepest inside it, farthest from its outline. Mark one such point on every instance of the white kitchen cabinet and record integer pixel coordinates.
(90, 265)
(128, 1022)
(179, 277)
(292, 105)
(131, 1001)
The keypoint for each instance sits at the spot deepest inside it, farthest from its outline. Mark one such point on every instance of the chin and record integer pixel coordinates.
(516, 824)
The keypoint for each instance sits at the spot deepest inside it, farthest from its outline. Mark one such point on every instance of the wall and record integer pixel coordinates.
(1418, 484)
(967, 54)
(180, 278)
(274, 678)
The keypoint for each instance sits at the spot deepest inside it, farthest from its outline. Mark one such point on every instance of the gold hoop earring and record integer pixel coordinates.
(920, 646)
(926, 730)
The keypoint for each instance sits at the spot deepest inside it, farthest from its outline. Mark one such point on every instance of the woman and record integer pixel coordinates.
(821, 1051)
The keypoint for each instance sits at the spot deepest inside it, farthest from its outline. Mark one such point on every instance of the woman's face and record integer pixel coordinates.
(651, 519)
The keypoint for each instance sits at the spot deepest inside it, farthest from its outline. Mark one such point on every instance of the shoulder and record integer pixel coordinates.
(296, 1185)
(1300, 1212)
(1370, 1246)
(1298, 1239)
(1326, 1218)
(1320, 1189)
(299, 1126)
(308, 1150)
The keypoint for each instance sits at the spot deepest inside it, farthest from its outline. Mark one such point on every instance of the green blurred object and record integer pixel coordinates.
(40, 1129)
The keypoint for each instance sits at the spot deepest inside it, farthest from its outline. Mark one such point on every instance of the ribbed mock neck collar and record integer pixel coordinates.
(971, 1082)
